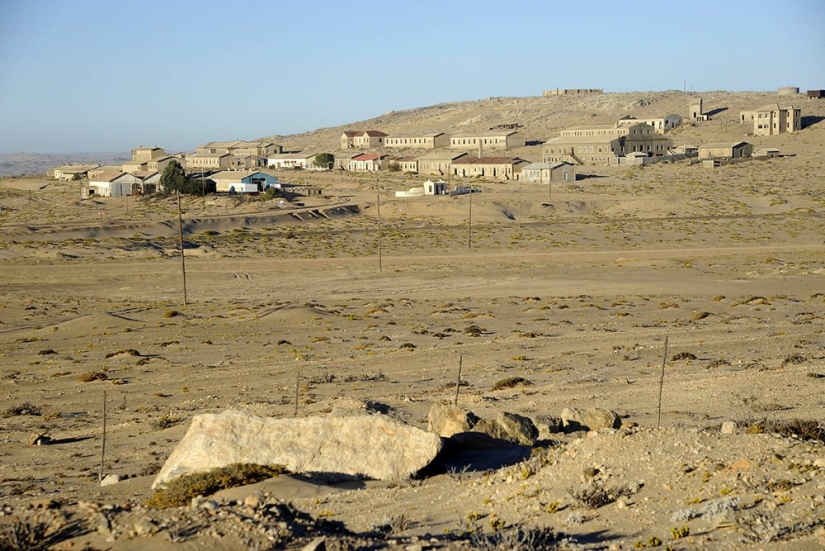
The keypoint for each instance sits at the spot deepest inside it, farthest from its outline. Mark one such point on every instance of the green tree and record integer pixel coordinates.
(173, 178)
(324, 160)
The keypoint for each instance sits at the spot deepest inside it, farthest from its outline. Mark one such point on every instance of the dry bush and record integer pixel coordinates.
(127, 351)
(696, 316)
(683, 356)
(593, 495)
(180, 491)
(164, 421)
(510, 382)
(794, 359)
(38, 531)
(171, 314)
(806, 429)
(26, 408)
(92, 376)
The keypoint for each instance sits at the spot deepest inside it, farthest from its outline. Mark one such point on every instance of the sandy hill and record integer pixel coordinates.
(542, 117)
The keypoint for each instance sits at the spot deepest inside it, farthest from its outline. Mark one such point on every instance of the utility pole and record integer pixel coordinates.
(182, 257)
(470, 222)
(378, 204)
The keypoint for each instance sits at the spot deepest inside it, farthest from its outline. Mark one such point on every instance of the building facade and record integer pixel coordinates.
(438, 162)
(429, 140)
(362, 139)
(544, 173)
(503, 140)
(367, 162)
(775, 119)
(660, 124)
(602, 143)
(496, 168)
(725, 151)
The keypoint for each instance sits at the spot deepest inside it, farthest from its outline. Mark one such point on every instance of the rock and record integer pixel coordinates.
(318, 544)
(372, 446)
(507, 429)
(729, 427)
(110, 480)
(547, 425)
(519, 429)
(589, 419)
(447, 420)
(145, 527)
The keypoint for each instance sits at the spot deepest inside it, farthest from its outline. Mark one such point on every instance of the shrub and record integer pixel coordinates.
(92, 376)
(510, 382)
(180, 491)
(683, 356)
(26, 408)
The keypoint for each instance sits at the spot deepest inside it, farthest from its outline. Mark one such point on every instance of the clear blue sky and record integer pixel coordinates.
(109, 75)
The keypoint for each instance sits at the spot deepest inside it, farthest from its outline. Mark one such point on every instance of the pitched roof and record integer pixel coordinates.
(490, 161)
(367, 157)
(441, 156)
(486, 134)
(417, 135)
(774, 107)
(721, 145)
(406, 159)
(291, 156)
(352, 133)
(235, 174)
(107, 176)
(545, 166)
(375, 133)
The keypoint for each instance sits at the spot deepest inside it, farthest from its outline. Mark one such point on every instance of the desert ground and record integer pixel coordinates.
(573, 288)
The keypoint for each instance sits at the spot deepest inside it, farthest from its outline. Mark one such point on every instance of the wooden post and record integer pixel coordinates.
(378, 203)
(103, 443)
(661, 384)
(458, 380)
(297, 387)
(182, 256)
(470, 222)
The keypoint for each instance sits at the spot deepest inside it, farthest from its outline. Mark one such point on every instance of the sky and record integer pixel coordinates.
(111, 75)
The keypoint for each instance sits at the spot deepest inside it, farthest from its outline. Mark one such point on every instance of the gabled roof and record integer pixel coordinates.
(545, 166)
(375, 133)
(406, 159)
(367, 157)
(107, 176)
(206, 155)
(236, 174)
(291, 156)
(352, 133)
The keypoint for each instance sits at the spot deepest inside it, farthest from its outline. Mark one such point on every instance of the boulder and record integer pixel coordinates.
(547, 425)
(371, 446)
(589, 419)
(506, 427)
(447, 420)
(519, 429)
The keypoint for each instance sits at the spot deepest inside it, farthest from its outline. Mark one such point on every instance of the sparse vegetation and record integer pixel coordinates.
(510, 382)
(180, 491)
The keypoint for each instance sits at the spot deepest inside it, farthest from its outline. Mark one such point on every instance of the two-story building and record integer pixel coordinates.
(602, 143)
(775, 118)
(362, 139)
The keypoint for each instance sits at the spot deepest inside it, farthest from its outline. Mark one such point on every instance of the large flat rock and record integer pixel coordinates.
(370, 446)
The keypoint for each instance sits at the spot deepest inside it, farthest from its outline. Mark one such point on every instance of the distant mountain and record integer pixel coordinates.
(17, 164)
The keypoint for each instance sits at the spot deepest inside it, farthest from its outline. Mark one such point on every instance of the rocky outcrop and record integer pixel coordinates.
(371, 446)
